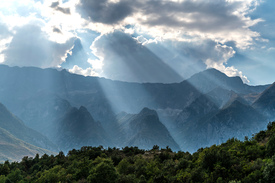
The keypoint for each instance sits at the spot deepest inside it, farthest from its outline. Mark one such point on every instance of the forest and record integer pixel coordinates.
(235, 161)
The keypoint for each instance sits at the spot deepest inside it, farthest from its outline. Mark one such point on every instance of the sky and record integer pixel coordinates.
(143, 40)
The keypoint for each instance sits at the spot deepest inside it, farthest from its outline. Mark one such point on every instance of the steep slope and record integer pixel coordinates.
(220, 96)
(188, 117)
(13, 149)
(78, 128)
(265, 103)
(17, 128)
(40, 113)
(144, 130)
(237, 120)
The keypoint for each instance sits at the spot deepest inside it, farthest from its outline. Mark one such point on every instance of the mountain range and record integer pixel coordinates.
(72, 110)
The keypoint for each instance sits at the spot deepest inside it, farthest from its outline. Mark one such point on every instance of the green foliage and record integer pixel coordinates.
(234, 161)
(271, 146)
(104, 172)
(269, 171)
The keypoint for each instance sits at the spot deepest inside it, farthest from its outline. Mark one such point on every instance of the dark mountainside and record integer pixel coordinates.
(238, 119)
(77, 128)
(144, 130)
(200, 109)
(266, 102)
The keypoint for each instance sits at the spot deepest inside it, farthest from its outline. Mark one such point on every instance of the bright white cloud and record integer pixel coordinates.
(30, 46)
(85, 72)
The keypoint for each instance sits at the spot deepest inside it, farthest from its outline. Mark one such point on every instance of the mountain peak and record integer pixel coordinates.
(147, 111)
(213, 71)
(210, 79)
(83, 109)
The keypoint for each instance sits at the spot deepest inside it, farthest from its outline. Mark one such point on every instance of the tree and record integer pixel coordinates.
(15, 176)
(104, 172)
(269, 171)
(271, 146)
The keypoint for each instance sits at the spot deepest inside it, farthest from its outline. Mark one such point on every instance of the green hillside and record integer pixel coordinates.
(251, 160)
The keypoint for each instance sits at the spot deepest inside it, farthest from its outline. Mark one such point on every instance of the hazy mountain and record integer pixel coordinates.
(210, 79)
(190, 116)
(78, 128)
(265, 103)
(40, 113)
(221, 96)
(16, 127)
(237, 120)
(14, 149)
(144, 130)
(48, 99)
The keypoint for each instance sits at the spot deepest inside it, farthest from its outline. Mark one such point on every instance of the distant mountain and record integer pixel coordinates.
(237, 120)
(221, 96)
(190, 116)
(265, 103)
(210, 79)
(144, 130)
(14, 149)
(48, 100)
(17, 128)
(40, 113)
(78, 128)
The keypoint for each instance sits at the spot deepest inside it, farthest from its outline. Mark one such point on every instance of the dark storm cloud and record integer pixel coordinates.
(104, 11)
(204, 16)
(57, 30)
(127, 60)
(192, 15)
(64, 10)
(56, 6)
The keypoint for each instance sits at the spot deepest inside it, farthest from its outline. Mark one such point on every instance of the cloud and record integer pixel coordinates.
(123, 58)
(77, 57)
(30, 46)
(56, 6)
(4, 31)
(57, 30)
(85, 72)
(220, 21)
(179, 37)
(105, 11)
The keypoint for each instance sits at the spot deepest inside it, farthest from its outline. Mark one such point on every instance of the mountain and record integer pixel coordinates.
(189, 117)
(144, 130)
(40, 113)
(210, 79)
(48, 99)
(266, 102)
(14, 149)
(221, 96)
(78, 128)
(17, 128)
(237, 120)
